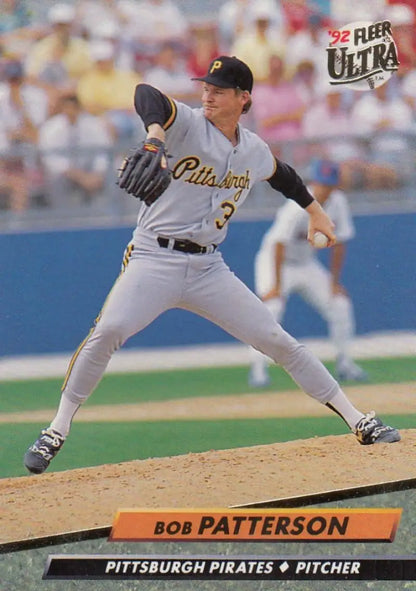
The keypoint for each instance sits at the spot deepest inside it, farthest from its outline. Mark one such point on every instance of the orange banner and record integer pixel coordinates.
(317, 525)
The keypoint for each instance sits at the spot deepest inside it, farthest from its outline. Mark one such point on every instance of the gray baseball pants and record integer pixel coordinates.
(156, 279)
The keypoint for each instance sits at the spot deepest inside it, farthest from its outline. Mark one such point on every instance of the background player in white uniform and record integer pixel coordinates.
(286, 263)
(172, 260)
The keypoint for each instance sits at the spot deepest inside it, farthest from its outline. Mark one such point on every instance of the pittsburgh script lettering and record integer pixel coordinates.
(193, 171)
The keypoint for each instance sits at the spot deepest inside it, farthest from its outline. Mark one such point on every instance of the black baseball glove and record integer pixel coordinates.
(145, 174)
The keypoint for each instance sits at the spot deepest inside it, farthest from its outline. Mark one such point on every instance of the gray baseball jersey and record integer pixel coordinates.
(211, 178)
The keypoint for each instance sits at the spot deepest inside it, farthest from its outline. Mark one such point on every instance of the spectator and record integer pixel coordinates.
(14, 15)
(170, 76)
(233, 21)
(91, 13)
(339, 137)
(323, 6)
(202, 48)
(379, 110)
(112, 32)
(296, 13)
(278, 107)
(60, 50)
(408, 89)
(23, 107)
(305, 80)
(149, 24)
(19, 27)
(236, 17)
(104, 20)
(346, 11)
(74, 147)
(309, 43)
(402, 18)
(386, 117)
(107, 90)
(259, 44)
(161, 20)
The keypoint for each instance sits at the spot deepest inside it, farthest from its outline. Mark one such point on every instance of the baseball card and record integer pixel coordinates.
(208, 333)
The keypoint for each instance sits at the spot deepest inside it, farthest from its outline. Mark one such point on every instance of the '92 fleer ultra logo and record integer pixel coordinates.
(362, 55)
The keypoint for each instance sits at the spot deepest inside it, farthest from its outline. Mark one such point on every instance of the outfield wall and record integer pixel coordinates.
(54, 283)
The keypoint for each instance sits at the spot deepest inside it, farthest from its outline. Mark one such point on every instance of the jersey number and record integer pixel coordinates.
(229, 208)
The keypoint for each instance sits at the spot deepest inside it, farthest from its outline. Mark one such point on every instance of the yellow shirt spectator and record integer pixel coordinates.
(105, 87)
(255, 47)
(74, 56)
(60, 46)
(256, 52)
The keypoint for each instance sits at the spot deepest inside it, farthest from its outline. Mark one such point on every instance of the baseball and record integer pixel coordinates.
(319, 240)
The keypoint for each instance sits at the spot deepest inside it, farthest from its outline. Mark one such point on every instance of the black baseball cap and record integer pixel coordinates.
(229, 72)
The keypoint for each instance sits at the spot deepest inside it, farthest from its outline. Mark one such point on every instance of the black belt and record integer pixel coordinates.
(185, 245)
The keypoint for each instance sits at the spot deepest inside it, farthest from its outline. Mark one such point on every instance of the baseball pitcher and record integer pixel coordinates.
(193, 171)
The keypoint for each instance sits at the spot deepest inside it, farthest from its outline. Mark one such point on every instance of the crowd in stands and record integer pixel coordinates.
(68, 73)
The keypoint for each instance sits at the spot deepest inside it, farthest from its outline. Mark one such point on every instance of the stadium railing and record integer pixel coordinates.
(111, 206)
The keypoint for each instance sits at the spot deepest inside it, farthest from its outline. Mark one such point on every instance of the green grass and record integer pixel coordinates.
(101, 443)
(164, 385)
(97, 443)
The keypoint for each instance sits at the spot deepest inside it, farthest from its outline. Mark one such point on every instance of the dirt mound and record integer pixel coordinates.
(60, 502)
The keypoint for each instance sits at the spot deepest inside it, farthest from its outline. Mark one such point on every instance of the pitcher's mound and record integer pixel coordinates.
(59, 502)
